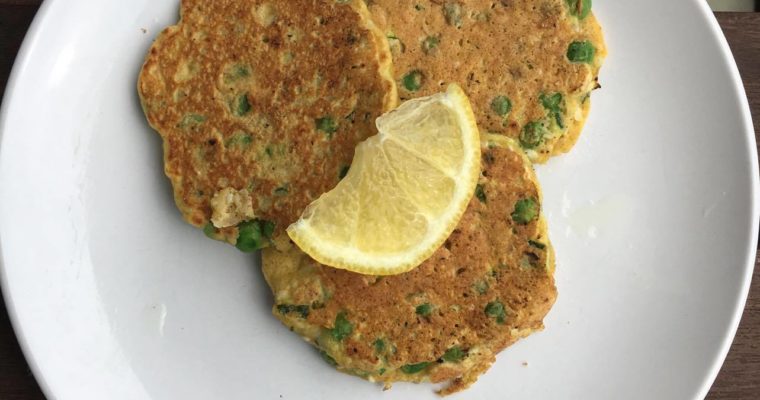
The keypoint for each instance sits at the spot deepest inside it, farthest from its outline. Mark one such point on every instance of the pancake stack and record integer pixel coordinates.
(260, 105)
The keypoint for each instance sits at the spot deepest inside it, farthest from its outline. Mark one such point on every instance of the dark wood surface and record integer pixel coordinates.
(740, 376)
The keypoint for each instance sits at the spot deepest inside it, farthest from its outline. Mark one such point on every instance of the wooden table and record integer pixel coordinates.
(740, 376)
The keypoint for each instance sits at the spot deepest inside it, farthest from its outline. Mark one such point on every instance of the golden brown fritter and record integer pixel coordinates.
(261, 103)
(488, 286)
(516, 59)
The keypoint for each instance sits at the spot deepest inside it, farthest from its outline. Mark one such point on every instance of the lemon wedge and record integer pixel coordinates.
(404, 194)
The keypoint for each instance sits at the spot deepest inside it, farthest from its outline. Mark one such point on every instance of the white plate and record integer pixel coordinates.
(654, 217)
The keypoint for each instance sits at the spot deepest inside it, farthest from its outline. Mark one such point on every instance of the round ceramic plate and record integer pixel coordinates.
(653, 215)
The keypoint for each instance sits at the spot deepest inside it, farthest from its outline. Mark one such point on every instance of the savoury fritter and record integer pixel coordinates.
(529, 66)
(489, 285)
(260, 105)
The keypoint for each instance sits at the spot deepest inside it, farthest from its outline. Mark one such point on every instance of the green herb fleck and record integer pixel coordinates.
(327, 358)
(239, 138)
(529, 260)
(480, 193)
(532, 135)
(326, 125)
(454, 354)
(282, 190)
(526, 210)
(267, 228)
(579, 8)
(424, 309)
(342, 328)
(501, 105)
(555, 106)
(301, 310)
(495, 309)
(413, 80)
(537, 245)
(343, 171)
(581, 52)
(415, 368)
(430, 44)
(191, 120)
(381, 371)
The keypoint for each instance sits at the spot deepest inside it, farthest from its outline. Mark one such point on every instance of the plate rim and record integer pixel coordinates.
(22, 58)
(32, 36)
(751, 146)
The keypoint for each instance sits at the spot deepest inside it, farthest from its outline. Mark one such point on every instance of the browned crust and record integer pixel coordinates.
(514, 48)
(312, 59)
(488, 249)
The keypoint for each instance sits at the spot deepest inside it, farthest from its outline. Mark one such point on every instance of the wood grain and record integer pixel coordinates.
(739, 378)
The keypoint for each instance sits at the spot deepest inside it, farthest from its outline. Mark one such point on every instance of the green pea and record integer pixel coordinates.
(235, 73)
(209, 230)
(481, 287)
(526, 210)
(495, 309)
(239, 138)
(327, 358)
(453, 14)
(480, 193)
(242, 106)
(342, 328)
(430, 44)
(579, 8)
(424, 309)
(501, 105)
(326, 125)
(454, 354)
(415, 368)
(413, 80)
(301, 310)
(551, 102)
(249, 237)
(581, 52)
(379, 345)
(532, 134)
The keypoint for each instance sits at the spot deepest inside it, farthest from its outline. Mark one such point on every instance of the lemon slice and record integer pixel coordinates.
(406, 190)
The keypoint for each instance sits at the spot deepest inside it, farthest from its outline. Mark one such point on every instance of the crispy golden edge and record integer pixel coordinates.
(385, 69)
(383, 55)
(286, 258)
(566, 143)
